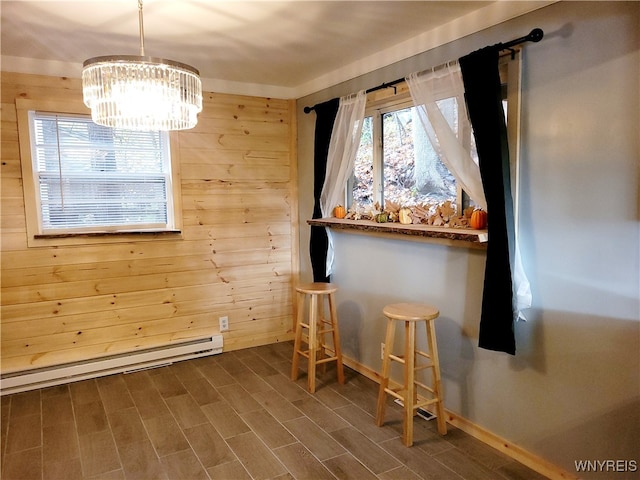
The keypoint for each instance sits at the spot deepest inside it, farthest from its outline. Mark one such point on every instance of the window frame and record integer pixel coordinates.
(35, 235)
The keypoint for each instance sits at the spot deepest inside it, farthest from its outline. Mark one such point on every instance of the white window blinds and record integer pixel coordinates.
(93, 178)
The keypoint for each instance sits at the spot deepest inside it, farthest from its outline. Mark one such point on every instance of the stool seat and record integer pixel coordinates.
(410, 314)
(317, 288)
(317, 326)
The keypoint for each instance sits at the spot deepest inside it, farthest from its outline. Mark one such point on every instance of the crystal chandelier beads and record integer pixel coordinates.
(142, 93)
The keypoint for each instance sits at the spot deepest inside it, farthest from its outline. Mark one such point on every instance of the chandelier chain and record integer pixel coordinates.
(141, 28)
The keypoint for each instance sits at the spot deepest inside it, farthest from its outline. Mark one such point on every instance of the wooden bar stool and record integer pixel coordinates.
(410, 314)
(317, 327)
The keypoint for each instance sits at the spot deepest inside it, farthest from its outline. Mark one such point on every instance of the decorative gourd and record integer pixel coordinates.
(339, 212)
(478, 219)
(404, 216)
(381, 217)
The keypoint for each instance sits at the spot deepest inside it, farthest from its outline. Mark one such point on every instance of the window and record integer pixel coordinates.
(396, 161)
(83, 178)
(411, 173)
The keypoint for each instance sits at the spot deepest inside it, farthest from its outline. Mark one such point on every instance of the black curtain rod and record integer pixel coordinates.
(534, 35)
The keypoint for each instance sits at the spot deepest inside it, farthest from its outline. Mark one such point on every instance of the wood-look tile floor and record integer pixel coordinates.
(231, 416)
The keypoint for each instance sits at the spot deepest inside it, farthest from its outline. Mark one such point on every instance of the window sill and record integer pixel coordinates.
(87, 238)
(457, 237)
(104, 234)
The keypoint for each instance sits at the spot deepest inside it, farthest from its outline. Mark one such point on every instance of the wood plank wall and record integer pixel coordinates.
(237, 255)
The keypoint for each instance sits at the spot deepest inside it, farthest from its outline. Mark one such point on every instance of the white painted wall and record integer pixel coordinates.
(573, 389)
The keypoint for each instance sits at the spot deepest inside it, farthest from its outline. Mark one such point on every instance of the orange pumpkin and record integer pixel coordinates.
(339, 212)
(478, 219)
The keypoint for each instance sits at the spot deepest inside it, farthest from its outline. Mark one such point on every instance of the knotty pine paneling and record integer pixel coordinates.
(237, 254)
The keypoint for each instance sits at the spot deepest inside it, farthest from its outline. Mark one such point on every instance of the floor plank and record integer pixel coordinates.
(234, 416)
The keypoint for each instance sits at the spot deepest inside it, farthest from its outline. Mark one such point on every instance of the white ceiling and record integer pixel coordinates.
(282, 49)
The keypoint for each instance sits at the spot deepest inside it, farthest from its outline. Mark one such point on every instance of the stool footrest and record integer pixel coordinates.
(422, 403)
(422, 367)
(396, 358)
(325, 360)
(325, 331)
(425, 403)
(394, 393)
(426, 387)
(305, 353)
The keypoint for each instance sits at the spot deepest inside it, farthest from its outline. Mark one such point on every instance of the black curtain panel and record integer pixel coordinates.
(484, 103)
(318, 243)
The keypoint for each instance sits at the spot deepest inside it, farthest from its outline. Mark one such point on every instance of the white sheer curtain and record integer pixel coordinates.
(343, 147)
(429, 87)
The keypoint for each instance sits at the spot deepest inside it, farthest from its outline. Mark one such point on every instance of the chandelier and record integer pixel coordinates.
(141, 93)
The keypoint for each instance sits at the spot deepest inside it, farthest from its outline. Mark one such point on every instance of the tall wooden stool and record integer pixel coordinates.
(318, 326)
(410, 314)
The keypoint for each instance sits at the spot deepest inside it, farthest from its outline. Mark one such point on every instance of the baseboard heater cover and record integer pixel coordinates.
(125, 362)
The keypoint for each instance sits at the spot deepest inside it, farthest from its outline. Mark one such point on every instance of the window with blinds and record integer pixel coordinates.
(90, 178)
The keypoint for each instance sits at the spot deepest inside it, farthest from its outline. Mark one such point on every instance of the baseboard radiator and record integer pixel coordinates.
(126, 362)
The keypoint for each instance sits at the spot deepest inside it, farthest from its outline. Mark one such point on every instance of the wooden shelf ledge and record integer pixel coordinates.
(459, 237)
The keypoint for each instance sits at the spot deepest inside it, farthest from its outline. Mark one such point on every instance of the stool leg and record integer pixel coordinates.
(298, 338)
(320, 325)
(409, 381)
(384, 380)
(437, 382)
(313, 341)
(336, 338)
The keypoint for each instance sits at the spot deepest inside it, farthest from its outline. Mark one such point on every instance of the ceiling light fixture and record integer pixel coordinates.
(141, 93)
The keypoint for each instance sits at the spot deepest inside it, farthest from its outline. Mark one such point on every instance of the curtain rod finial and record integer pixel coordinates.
(535, 35)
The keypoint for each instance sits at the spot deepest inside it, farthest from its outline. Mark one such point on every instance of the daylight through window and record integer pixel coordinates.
(412, 172)
(90, 178)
